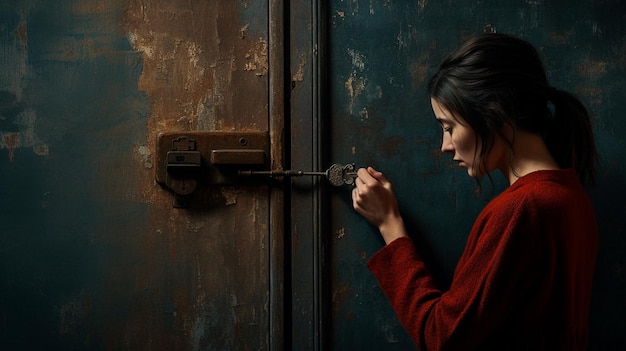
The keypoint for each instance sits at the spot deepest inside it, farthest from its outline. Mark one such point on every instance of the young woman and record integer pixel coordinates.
(524, 279)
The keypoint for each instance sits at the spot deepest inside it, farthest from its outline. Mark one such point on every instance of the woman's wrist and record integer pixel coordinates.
(392, 230)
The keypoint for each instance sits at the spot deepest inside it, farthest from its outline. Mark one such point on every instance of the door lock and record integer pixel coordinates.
(186, 160)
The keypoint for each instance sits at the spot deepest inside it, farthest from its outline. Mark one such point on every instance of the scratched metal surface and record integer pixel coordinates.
(92, 254)
(381, 55)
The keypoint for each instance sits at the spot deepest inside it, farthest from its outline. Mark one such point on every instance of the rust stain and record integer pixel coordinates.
(22, 33)
(193, 53)
(202, 70)
(592, 69)
(593, 93)
(41, 150)
(11, 141)
(419, 70)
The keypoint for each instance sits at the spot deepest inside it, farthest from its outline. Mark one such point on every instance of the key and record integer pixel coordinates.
(339, 175)
(336, 175)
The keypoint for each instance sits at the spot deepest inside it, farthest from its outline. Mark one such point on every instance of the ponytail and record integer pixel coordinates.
(570, 136)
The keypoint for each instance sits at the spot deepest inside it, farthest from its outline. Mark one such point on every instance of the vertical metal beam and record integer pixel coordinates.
(320, 151)
(322, 205)
(309, 293)
(277, 194)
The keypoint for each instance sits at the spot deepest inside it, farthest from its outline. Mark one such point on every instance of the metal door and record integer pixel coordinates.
(380, 56)
(93, 256)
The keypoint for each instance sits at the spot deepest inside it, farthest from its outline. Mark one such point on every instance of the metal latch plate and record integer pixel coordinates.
(220, 154)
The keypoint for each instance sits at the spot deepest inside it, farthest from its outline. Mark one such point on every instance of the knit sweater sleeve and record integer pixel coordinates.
(482, 290)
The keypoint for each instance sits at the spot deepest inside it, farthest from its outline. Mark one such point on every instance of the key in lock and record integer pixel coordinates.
(337, 174)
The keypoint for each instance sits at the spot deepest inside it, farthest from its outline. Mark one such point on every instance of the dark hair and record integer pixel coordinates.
(496, 79)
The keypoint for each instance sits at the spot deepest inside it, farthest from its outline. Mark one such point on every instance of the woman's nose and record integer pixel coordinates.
(446, 143)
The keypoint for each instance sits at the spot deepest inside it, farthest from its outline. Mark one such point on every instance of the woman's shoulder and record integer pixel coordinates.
(539, 190)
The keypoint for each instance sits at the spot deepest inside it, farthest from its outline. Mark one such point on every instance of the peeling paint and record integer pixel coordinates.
(243, 31)
(230, 196)
(256, 58)
(355, 86)
(298, 76)
(145, 154)
(358, 59)
(364, 114)
(340, 233)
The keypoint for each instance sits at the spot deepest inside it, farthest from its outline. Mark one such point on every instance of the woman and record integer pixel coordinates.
(524, 279)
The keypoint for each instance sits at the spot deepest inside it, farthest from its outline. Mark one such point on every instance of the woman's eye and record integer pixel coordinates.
(447, 129)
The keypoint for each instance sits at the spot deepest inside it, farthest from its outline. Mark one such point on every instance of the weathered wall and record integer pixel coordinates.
(382, 53)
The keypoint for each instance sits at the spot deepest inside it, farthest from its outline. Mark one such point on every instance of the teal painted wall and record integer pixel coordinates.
(70, 115)
(382, 54)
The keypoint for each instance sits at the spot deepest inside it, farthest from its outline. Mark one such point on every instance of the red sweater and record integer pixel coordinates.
(522, 283)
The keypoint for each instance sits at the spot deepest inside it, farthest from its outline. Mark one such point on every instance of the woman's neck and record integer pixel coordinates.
(529, 154)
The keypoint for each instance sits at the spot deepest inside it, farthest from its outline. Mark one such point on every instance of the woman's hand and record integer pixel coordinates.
(373, 199)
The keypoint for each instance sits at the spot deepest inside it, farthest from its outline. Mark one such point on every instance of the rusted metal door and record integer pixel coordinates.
(93, 256)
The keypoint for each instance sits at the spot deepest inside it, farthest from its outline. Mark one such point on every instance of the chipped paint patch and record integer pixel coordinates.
(298, 76)
(364, 114)
(25, 138)
(355, 86)
(145, 154)
(357, 81)
(195, 227)
(243, 30)
(341, 232)
(230, 197)
(256, 58)
(358, 59)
